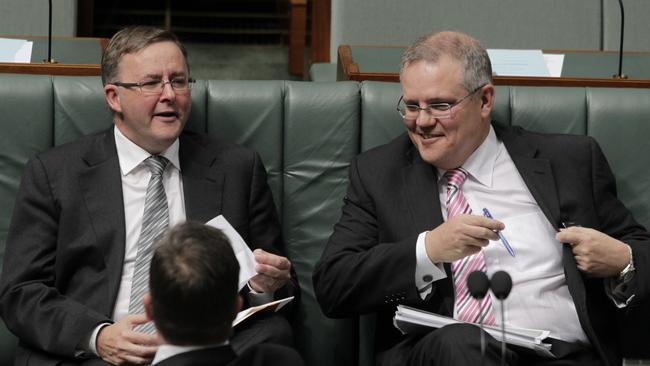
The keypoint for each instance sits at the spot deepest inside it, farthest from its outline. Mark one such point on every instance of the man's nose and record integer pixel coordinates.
(425, 119)
(167, 91)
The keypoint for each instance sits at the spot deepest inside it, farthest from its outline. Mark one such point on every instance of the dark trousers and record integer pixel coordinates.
(460, 344)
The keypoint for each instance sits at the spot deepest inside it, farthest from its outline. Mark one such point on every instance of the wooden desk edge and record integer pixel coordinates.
(51, 69)
(521, 80)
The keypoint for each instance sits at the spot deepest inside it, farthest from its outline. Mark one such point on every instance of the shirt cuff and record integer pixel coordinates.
(426, 272)
(258, 298)
(88, 348)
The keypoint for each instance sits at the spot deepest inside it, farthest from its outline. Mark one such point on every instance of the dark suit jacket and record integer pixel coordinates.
(369, 262)
(65, 246)
(259, 355)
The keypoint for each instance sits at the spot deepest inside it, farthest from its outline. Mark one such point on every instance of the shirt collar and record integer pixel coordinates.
(166, 351)
(131, 155)
(480, 164)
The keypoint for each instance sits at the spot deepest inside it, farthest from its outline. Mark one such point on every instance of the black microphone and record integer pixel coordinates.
(478, 285)
(501, 284)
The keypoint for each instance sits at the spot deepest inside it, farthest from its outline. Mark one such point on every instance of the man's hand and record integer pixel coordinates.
(596, 253)
(119, 344)
(273, 271)
(460, 236)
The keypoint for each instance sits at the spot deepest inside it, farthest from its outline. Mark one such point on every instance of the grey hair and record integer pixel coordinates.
(130, 40)
(477, 70)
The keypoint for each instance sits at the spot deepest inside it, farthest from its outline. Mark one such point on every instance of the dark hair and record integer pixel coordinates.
(477, 70)
(193, 285)
(133, 39)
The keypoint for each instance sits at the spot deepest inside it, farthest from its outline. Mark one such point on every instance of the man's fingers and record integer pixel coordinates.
(136, 319)
(482, 221)
(271, 271)
(576, 235)
(271, 259)
(140, 338)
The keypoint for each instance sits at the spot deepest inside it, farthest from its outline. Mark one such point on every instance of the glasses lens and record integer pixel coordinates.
(151, 87)
(179, 84)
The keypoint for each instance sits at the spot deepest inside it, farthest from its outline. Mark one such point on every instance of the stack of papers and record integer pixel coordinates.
(410, 320)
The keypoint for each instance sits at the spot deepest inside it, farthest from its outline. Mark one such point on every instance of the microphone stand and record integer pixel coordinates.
(503, 335)
(620, 74)
(49, 59)
(480, 309)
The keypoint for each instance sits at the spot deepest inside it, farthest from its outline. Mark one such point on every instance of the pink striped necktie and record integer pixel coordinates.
(466, 307)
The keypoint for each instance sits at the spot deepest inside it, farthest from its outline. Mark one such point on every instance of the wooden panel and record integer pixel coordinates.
(321, 12)
(297, 36)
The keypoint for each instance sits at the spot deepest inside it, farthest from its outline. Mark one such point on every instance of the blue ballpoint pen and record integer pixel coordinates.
(487, 214)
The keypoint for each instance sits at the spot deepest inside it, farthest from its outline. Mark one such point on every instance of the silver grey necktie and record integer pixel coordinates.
(154, 222)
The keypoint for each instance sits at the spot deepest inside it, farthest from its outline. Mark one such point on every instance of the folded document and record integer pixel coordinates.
(411, 320)
(271, 306)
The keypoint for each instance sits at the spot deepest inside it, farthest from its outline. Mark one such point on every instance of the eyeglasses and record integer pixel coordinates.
(153, 87)
(435, 110)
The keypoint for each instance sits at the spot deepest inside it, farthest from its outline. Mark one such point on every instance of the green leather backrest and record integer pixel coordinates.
(26, 125)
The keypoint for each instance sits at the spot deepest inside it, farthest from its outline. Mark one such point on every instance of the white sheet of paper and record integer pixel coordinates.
(271, 306)
(554, 64)
(518, 62)
(243, 253)
(15, 50)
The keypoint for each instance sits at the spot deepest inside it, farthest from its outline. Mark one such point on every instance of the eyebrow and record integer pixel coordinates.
(159, 76)
(430, 101)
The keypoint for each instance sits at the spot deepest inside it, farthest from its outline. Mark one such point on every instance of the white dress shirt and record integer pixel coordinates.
(540, 297)
(135, 179)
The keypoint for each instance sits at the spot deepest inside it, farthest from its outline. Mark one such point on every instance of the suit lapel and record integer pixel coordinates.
(101, 186)
(202, 181)
(537, 174)
(421, 190)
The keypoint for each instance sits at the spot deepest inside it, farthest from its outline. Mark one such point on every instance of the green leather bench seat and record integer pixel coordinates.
(306, 134)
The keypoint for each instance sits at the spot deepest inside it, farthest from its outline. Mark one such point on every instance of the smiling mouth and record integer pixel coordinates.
(429, 135)
(168, 114)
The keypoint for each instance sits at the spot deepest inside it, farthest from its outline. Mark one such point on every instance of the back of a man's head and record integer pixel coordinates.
(193, 285)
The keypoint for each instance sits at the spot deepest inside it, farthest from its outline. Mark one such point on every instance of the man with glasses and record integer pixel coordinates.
(417, 219)
(88, 214)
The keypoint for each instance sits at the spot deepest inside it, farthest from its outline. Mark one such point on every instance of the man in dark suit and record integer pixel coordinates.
(193, 300)
(412, 226)
(87, 212)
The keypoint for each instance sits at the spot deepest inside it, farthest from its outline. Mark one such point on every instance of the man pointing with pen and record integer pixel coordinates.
(413, 225)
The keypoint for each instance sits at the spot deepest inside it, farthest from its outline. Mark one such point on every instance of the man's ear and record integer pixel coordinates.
(487, 100)
(148, 309)
(112, 98)
(238, 304)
